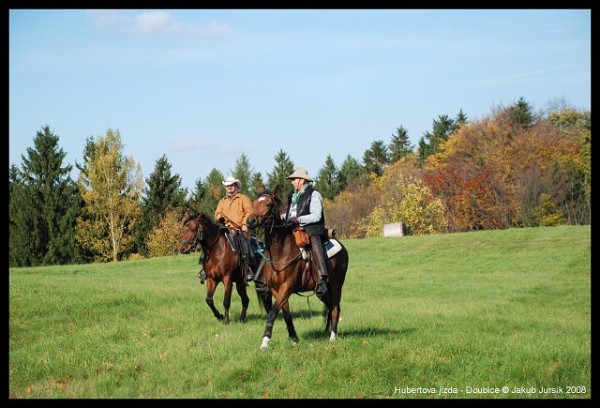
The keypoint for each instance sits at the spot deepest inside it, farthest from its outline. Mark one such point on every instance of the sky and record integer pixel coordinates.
(204, 86)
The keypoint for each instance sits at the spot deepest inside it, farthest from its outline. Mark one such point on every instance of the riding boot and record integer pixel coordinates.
(259, 279)
(321, 263)
(246, 256)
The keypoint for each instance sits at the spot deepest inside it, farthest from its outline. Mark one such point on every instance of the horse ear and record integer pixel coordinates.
(261, 190)
(277, 190)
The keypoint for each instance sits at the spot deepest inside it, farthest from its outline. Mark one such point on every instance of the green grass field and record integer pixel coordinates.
(482, 315)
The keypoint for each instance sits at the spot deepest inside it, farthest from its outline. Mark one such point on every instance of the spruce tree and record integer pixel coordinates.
(399, 146)
(283, 168)
(327, 181)
(44, 205)
(376, 158)
(350, 170)
(163, 192)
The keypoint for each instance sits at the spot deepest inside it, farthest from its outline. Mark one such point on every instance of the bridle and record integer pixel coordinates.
(269, 223)
(272, 215)
(200, 238)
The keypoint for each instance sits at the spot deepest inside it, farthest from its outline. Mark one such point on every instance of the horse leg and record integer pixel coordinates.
(287, 316)
(241, 290)
(272, 315)
(210, 291)
(227, 299)
(334, 317)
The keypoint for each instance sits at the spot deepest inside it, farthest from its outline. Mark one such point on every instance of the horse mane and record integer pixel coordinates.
(201, 218)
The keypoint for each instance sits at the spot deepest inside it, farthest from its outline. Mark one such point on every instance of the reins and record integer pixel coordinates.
(199, 239)
(270, 219)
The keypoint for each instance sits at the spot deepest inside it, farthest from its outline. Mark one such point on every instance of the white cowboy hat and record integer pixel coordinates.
(230, 180)
(300, 173)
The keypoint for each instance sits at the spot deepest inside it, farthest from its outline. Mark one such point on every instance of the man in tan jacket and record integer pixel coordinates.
(233, 210)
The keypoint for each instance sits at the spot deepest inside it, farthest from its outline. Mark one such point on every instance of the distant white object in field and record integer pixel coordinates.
(393, 230)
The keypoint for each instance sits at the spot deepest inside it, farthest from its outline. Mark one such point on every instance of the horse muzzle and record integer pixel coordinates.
(252, 222)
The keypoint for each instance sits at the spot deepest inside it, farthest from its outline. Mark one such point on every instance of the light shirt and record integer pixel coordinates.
(316, 207)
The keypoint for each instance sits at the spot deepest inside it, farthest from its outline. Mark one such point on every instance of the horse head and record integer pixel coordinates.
(190, 233)
(266, 208)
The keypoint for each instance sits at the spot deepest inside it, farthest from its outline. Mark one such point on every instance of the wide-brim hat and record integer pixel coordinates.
(300, 173)
(231, 180)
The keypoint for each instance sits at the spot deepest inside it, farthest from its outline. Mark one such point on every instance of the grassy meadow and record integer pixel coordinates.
(481, 315)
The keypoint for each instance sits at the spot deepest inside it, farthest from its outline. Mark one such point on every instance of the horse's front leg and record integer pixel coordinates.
(271, 316)
(287, 316)
(241, 290)
(210, 291)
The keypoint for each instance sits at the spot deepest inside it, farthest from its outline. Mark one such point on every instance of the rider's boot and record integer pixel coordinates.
(247, 257)
(259, 279)
(320, 261)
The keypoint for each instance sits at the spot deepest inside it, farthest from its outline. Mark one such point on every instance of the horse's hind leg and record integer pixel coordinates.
(241, 290)
(334, 317)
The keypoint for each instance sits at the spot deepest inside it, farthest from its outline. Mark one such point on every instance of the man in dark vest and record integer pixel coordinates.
(305, 208)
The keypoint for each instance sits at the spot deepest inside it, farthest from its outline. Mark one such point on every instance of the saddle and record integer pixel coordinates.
(246, 247)
(332, 247)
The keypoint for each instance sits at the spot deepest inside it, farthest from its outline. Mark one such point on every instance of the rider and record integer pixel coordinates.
(233, 210)
(305, 208)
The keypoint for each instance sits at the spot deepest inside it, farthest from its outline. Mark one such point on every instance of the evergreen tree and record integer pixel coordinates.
(430, 141)
(20, 223)
(399, 146)
(256, 183)
(521, 113)
(43, 206)
(197, 201)
(461, 118)
(283, 168)
(163, 192)
(214, 190)
(349, 171)
(376, 158)
(327, 181)
(243, 172)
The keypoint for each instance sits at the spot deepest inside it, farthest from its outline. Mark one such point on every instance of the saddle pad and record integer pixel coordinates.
(332, 247)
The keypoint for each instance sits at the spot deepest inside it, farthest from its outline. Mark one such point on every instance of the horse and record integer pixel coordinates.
(220, 263)
(287, 273)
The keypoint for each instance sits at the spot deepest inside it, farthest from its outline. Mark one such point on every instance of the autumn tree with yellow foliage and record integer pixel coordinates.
(110, 185)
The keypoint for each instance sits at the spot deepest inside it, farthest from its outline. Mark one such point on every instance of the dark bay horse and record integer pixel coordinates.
(220, 262)
(287, 273)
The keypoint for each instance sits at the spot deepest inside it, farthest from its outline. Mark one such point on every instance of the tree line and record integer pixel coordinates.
(513, 168)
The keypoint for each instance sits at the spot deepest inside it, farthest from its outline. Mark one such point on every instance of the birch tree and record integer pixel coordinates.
(110, 185)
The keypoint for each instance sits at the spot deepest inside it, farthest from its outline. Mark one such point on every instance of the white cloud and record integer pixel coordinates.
(155, 23)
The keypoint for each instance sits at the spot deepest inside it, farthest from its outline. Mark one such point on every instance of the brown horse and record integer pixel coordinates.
(220, 263)
(287, 273)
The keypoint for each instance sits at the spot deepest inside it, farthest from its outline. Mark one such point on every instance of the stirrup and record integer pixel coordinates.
(202, 276)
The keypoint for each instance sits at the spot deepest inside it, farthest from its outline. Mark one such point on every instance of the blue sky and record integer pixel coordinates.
(205, 86)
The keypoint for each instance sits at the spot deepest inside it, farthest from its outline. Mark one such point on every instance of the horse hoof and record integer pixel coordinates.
(265, 343)
(332, 336)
